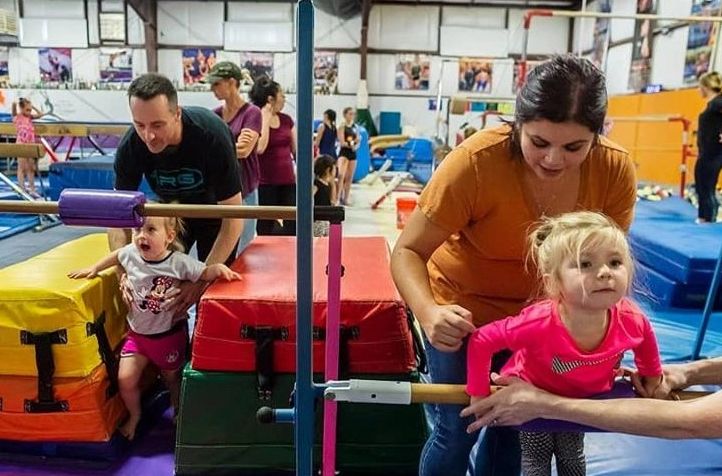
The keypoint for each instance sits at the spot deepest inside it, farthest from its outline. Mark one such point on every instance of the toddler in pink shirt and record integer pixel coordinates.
(572, 343)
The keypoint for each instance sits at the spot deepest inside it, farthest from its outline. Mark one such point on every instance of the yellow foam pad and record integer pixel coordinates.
(37, 296)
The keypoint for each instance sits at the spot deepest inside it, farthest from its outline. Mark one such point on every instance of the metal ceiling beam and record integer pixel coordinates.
(147, 10)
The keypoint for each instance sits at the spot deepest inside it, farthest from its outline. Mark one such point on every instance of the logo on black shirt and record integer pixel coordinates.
(174, 181)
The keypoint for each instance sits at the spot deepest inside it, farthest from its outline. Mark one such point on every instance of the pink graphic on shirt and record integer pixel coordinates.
(154, 298)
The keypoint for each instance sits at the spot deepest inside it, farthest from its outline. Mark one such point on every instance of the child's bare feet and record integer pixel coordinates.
(128, 429)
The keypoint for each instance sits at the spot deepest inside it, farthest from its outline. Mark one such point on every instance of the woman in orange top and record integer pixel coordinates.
(460, 262)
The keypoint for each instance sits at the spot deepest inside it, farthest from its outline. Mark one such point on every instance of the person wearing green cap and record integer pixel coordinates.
(244, 120)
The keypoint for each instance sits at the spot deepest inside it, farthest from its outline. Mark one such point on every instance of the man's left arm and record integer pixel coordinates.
(228, 235)
(225, 178)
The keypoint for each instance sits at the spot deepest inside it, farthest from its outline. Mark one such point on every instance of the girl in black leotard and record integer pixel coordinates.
(348, 138)
(324, 189)
(709, 138)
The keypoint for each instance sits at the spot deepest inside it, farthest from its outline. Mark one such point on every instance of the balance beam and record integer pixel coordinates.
(26, 151)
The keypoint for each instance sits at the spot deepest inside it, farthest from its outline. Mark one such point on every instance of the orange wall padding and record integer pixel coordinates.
(656, 147)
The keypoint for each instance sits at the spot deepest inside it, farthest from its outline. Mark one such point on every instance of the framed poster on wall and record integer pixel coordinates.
(258, 64)
(116, 65)
(197, 62)
(325, 72)
(640, 70)
(412, 72)
(602, 27)
(701, 39)
(475, 75)
(56, 65)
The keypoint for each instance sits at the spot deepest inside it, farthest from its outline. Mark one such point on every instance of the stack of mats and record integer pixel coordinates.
(90, 173)
(244, 358)
(57, 350)
(676, 257)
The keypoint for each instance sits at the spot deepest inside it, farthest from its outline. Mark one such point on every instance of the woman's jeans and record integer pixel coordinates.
(706, 174)
(447, 451)
(249, 224)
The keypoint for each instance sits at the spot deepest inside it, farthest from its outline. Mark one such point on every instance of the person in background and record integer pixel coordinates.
(324, 189)
(276, 151)
(348, 138)
(326, 135)
(709, 161)
(244, 120)
(24, 113)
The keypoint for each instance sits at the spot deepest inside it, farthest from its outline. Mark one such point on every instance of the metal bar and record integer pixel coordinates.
(70, 148)
(333, 324)
(529, 14)
(168, 210)
(708, 307)
(456, 394)
(405, 393)
(636, 16)
(304, 429)
(686, 148)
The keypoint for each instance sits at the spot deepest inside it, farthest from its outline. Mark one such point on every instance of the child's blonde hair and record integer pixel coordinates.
(178, 225)
(567, 236)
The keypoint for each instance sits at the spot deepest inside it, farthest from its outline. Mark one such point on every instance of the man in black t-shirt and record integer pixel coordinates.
(187, 155)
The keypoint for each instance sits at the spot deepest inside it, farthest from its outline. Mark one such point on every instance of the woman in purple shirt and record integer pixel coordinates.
(244, 120)
(276, 151)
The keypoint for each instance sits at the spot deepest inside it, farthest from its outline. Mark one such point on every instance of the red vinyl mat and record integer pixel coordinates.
(373, 316)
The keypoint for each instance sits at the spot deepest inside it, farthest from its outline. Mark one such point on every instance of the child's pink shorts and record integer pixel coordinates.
(167, 350)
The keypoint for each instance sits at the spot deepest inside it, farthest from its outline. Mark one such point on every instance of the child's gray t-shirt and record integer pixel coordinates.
(151, 282)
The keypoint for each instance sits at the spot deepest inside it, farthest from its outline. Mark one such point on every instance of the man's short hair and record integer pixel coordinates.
(150, 85)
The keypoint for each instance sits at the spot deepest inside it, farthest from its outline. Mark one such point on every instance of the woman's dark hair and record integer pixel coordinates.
(331, 114)
(322, 164)
(565, 88)
(263, 86)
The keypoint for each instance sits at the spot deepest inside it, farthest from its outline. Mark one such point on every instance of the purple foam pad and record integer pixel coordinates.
(106, 208)
(621, 389)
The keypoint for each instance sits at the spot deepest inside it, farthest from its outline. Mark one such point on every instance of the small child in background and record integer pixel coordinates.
(324, 189)
(23, 113)
(572, 343)
(155, 264)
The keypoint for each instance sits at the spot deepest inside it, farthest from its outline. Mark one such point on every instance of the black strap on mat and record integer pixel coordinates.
(264, 337)
(43, 343)
(346, 334)
(97, 329)
(421, 364)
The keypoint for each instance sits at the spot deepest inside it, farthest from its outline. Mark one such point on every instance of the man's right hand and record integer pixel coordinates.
(126, 290)
(446, 326)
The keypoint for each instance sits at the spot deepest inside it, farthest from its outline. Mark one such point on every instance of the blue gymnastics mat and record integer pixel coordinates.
(663, 292)
(13, 223)
(665, 238)
(90, 173)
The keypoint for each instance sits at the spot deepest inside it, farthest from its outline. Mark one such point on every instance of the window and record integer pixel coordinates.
(111, 17)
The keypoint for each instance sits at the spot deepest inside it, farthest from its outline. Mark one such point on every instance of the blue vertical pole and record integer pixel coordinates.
(708, 307)
(304, 429)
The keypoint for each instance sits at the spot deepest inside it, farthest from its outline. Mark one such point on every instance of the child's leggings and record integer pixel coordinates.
(537, 449)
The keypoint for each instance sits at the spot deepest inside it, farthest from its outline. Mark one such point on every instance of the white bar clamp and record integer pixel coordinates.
(368, 391)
